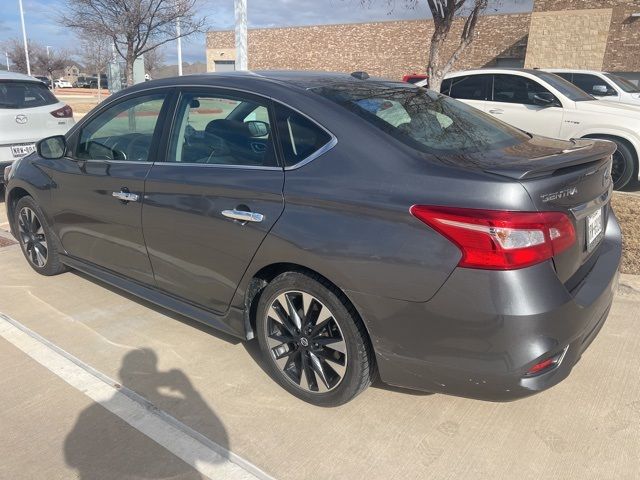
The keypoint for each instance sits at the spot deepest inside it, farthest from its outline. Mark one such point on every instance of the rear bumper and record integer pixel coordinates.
(483, 330)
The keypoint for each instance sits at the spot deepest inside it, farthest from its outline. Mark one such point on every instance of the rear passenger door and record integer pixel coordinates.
(473, 90)
(513, 102)
(211, 202)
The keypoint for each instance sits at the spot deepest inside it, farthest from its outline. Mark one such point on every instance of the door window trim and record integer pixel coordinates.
(209, 91)
(75, 133)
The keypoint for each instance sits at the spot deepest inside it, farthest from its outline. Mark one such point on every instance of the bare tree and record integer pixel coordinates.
(15, 48)
(135, 27)
(444, 13)
(153, 60)
(49, 61)
(95, 53)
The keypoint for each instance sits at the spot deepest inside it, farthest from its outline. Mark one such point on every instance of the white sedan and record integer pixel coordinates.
(602, 85)
(62, 83)
(28, 112)
(545, 104)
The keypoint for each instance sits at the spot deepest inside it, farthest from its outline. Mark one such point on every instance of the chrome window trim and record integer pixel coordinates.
(321, 151)
(216, 165)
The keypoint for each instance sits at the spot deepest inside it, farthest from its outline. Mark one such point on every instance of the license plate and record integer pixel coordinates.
(20, 151)
(594, 229)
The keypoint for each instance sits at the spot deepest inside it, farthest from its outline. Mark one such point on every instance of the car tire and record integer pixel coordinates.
(625, 163)
(36, 239)
(326, 358)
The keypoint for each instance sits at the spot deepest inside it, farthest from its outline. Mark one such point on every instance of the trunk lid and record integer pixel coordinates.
(574, 178)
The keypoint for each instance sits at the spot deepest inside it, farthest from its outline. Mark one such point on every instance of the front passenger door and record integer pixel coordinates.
(513, 102)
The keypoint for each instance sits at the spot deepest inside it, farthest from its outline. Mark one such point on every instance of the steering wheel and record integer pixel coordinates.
(143, 150)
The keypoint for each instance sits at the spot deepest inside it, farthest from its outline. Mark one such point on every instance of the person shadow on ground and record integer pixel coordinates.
(103, 446)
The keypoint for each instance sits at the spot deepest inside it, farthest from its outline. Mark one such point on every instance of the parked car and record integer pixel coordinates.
(62, 83)
(83, 82)
(421, 78)
(441, 248)
(103, 82)
(542, 103)
(28, 112)
(44, 79)
(602, 85)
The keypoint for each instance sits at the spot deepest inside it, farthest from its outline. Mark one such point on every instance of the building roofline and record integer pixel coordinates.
(364, 22)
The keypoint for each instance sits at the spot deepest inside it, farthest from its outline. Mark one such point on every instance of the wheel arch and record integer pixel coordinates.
(266, 274)
(635, 149)
(13, 197)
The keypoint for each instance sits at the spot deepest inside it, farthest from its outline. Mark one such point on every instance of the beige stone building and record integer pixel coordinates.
(601, 35)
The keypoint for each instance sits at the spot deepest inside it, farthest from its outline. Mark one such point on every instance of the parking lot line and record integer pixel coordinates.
(207, 457)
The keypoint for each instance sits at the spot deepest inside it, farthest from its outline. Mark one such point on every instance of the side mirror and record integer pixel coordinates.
(603, 90)
(257, 128)
(52, 148)
(545, 99)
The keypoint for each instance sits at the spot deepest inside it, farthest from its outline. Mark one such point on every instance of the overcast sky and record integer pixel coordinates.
(41, 26)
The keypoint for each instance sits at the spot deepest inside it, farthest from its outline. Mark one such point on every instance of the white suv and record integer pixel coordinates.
(602, 85)
(28, 112)
(544, 104)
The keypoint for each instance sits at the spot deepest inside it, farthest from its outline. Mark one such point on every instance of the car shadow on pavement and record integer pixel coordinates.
(156, 308)
(102, 446)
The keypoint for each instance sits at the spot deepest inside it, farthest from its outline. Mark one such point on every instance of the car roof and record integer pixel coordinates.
(303, 80)
(571, 70)
(4, 75)
(480, 71)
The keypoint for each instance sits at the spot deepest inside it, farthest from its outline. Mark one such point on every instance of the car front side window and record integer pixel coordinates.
(517, 89)
(123, 132)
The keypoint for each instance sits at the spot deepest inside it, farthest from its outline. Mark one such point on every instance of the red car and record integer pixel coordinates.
(414, 77)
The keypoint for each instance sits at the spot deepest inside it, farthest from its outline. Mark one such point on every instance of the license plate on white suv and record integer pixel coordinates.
(19, 151)
(595, 229)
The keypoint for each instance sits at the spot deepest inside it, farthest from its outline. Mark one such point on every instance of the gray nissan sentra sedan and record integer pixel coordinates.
(355, 226)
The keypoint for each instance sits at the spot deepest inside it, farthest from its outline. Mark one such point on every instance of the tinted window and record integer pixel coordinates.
(586, 82)
(473, 87)
(222, 130)
(623, 83)
(300, 136)
(422, 119)
(567, 89)
(25, 95)
(122, 132)
(516, 89)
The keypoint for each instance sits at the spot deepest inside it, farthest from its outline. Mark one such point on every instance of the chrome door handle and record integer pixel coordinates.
(126, 196)
(243, 215)
(496, 111)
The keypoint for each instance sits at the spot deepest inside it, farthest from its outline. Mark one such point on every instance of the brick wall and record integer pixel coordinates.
(568, 39)
(555, 5)
(388, 49)
(623, 45)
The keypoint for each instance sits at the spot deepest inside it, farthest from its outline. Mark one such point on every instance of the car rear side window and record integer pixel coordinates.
(222, 129)
(16, 94)
(301, 138)
(424, 120)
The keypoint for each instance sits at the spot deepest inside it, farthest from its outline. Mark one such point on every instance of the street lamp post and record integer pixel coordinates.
(241, 34)
(179, 47)
(7, 55)
(24, 38)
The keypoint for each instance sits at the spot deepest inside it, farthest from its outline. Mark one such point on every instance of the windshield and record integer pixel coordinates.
(17, 94)
(565, 87)
(422, 119)
(623, 83)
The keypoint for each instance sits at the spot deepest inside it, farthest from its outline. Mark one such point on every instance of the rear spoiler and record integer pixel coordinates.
(581, 154)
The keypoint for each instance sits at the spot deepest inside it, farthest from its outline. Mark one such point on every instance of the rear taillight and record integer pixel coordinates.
(64, 112)
(500, 240)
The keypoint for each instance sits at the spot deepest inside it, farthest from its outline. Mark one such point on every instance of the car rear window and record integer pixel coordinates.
(423, 119)
(25, 95)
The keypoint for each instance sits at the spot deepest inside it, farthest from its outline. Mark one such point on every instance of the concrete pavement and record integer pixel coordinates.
(588, 427)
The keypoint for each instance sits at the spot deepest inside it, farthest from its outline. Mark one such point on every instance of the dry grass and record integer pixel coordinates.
(81, 106)
(627, 208)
